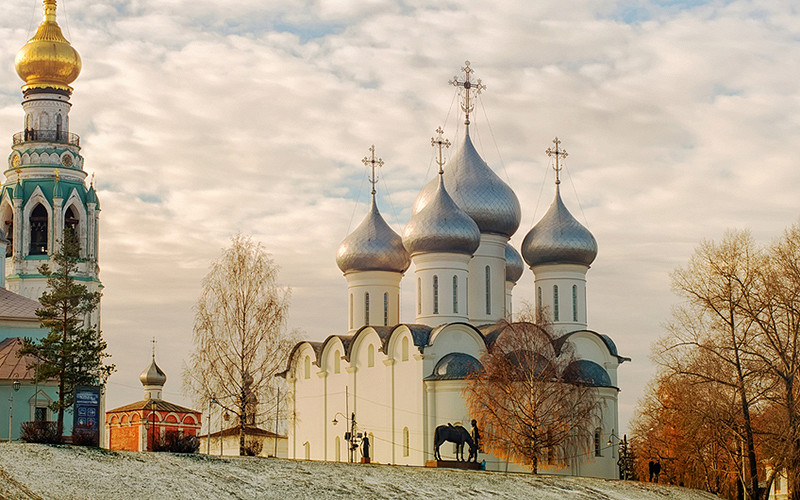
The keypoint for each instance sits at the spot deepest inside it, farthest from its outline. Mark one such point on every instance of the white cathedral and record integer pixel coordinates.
(403, 380)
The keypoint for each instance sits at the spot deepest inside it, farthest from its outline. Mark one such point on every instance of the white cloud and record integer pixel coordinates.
(204, 119)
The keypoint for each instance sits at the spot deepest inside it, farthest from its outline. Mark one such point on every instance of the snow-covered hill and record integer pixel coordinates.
(37, 471)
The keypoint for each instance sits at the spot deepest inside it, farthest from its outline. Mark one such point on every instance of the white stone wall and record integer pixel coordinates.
(376, 284)
(565, 277)
(442, 268)
(492, 254)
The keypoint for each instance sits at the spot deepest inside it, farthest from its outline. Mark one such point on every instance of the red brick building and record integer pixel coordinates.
(137, 426)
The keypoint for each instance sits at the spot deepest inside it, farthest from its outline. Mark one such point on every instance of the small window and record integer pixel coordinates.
(406, 439)
(598, 450)
(455, 294)
(366, 309)
(574, 302)
(539, 305)
(351, 311)
(338, 449)
(40, 414)
(385, 309)
(488, 290)
(71, 219)
(307, 367)
(337, 361)
(371, 355)
(307, 449)
(435, 294)
(419, 295)
(404, 349)
(555, 302)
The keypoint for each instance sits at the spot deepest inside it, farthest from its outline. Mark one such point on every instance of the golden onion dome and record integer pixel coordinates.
(48, 59)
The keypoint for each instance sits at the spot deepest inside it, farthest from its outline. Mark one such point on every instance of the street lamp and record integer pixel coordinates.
(15, 387)
(349, 436)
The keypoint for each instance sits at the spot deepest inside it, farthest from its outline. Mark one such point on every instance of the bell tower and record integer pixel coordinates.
(45, 189)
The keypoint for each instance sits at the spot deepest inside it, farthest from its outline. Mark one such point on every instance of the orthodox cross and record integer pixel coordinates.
(467, 84)
(58, 175)
(440, 142)
(557, 153)
(372, 162)
(154, 347)
(91, 183)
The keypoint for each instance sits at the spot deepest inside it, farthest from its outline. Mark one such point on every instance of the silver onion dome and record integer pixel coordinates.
(152, 375)
(373, 246)
(514, 264)
(559, 238)
(478, 191)
(441, 226)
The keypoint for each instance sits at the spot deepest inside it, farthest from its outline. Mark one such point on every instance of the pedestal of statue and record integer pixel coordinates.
(453, 464)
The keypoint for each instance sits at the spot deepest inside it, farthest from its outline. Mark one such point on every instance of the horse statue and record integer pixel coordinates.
(454, 434)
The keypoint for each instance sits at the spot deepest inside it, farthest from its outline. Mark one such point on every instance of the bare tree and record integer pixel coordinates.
(531, 409)
(240, 336)
(713, 322)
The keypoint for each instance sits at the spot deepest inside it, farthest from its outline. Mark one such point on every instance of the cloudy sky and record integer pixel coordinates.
(203, 119)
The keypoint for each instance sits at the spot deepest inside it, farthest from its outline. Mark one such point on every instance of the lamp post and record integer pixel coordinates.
(15, 388)
(350, 437)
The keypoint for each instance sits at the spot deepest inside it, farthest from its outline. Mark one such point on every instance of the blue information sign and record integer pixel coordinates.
(86, 422)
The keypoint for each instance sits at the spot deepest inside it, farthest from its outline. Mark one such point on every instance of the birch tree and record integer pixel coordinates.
(530, 411)
(240, 335)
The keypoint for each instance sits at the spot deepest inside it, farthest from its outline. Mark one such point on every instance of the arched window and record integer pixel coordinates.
(8, 230)
(371, 355)
(419, 295)
(406, 439)
(455, 294)
(385, 309)
(338, 449)
(337, 361)
(435, 294)
(366, 308)
(539, 305)
(404, 349)
(351, 311)
(372, 446)
(488, 290)
(598, 450)
(59, 129)
(466, 292)
(307, 367)
(574, 302)
(555, 302)
(39, 230)
(307, 449)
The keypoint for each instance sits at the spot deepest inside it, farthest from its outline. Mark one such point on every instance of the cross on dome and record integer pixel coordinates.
(372, 162)
(154, 347)
(557, 153)
(440, 141)
(468, 85)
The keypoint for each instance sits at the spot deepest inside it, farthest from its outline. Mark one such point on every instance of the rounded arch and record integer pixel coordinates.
(461, 330)
(124, 419)
(393, 345)
(7, 223)
(135, 418)
(114, 420)
(78, 219)
(365, 336)
(189, 419)
(172, 418)
(327, 358)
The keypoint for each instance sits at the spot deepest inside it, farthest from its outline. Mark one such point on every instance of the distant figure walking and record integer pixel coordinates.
(651, 469)
(657, 470)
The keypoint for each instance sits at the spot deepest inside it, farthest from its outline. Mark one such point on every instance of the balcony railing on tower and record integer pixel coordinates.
(58, 136)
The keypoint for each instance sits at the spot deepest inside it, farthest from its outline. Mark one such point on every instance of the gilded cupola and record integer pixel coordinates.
(48, 59)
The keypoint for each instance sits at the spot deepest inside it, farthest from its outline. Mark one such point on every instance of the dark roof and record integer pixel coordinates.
(160, 405)
(15, 306)
(585, 372)
(11, 366)
(610, 345)
(455, 366)
(249, 430)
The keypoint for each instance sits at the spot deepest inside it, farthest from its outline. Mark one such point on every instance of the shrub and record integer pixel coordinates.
(252, 448)
(84, 436)
(40, 431)
(173, 442)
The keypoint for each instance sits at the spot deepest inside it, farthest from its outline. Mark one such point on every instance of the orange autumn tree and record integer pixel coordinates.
(533, 410)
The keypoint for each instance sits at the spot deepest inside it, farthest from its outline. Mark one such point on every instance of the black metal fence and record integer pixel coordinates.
(58, 136)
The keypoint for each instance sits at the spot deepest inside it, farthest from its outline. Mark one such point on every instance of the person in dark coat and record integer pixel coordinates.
(365, 448)
(651, 467)
(657, 470)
